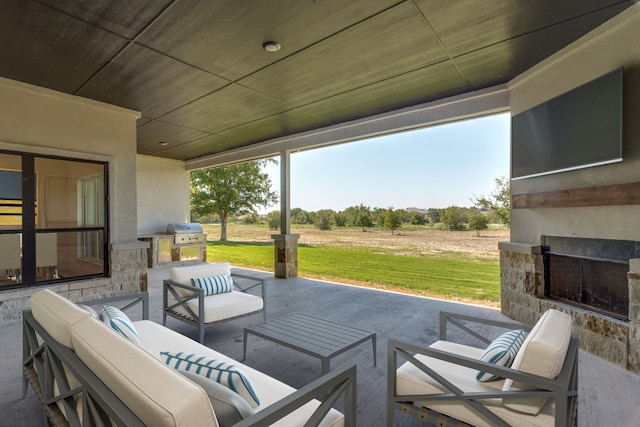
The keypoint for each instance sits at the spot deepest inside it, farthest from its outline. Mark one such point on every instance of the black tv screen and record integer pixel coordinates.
(580, 128)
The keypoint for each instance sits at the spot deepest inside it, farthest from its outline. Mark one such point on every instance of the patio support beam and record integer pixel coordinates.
(285, 243)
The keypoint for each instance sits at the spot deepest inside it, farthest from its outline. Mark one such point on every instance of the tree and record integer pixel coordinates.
(499, 201)
(393, 219)
(434, 215)
(478, 222)
(417, 218)
(453, 218)
(273, 220)
(359, 216)
(324, 219)
(231, 190)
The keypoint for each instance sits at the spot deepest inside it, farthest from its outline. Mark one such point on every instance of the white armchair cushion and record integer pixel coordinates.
(223, 306)
(543, 353)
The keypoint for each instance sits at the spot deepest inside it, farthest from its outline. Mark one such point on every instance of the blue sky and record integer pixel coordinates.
(436, 167)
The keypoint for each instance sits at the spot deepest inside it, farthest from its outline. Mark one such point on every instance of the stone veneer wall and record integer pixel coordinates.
(522, 295)
(128, 274)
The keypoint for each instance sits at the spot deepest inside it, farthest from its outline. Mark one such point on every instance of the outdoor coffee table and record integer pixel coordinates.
(311, 335)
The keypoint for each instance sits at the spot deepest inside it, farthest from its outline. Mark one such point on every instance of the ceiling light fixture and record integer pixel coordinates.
(271, 46)
(163, 143)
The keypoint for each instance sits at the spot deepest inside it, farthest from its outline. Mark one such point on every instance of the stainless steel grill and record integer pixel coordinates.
(186, 233)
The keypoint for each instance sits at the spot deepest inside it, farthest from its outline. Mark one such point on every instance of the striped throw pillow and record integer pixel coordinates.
(501, 352)
(218, 370)
(119, 322)
(213, 284)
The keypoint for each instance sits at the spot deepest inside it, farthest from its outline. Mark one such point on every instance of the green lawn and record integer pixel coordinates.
(453, 277)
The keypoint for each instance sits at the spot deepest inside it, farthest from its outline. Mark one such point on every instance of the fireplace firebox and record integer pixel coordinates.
(590, 273)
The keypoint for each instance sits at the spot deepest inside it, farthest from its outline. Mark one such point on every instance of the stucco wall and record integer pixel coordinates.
(610, 46)
(163, 194)
(42, 121)
(39, 120)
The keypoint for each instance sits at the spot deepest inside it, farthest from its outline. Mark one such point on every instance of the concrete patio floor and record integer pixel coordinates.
(608, 394)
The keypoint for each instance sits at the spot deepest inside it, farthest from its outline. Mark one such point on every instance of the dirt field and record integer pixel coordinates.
(404, 241)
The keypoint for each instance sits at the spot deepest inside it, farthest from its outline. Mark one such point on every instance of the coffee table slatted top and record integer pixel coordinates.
(311, 335)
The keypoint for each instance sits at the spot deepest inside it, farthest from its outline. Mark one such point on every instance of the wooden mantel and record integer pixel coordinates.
(607, 195)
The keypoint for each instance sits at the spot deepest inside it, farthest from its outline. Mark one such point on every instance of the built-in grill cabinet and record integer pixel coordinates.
(182, 242)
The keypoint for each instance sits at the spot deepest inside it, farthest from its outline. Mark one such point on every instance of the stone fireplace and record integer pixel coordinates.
(525, 294)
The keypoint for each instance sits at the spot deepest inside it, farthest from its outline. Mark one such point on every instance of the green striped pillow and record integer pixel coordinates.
(501, 352)
(218, 370)
(213, 284)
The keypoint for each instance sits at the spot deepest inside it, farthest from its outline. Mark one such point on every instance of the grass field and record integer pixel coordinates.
(452, 265)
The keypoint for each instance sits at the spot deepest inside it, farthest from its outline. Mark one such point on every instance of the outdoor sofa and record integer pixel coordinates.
(538, 386)
(184, 300)
(86, 373)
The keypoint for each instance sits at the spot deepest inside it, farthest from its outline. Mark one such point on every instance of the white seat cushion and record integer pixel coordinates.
(223, 306)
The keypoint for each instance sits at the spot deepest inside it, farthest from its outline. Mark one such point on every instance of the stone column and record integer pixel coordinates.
(286, 255)
(634, 315)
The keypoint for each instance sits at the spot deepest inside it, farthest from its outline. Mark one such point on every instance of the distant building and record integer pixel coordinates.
(419, 210)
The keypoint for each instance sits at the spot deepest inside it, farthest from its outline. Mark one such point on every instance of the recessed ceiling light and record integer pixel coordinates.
(271, 46)
(163, 143)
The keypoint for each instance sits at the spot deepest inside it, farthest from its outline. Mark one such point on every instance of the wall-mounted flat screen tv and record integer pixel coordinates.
(580, 128)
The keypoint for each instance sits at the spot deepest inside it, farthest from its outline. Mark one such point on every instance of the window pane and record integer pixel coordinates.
(10, 192)
(70, 193)
(10, 260)
(69, 254)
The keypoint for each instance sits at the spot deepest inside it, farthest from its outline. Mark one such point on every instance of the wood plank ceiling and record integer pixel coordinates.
(204, 84)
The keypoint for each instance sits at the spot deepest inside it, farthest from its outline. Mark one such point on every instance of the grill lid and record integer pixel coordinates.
(184, 228)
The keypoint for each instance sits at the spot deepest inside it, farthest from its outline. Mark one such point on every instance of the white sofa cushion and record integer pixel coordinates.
(184, 274)
(222, 306)
(155, 339)
(411, 381)
(543, 353)
(158, 395)
(56, 314)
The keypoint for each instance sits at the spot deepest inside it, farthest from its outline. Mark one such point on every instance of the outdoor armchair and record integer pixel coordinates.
(205, 294)
(439, 383)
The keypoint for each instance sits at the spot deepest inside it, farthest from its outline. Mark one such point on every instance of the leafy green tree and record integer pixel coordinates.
(340, 219)
(499, 201)
(434, 215)
(231, 190)
(478, 222)
(393, 219)
(251, 218)
(359, 216)
(324, 219)
(417, 218)
(273, 220)
(300, 216)
(453, 218)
